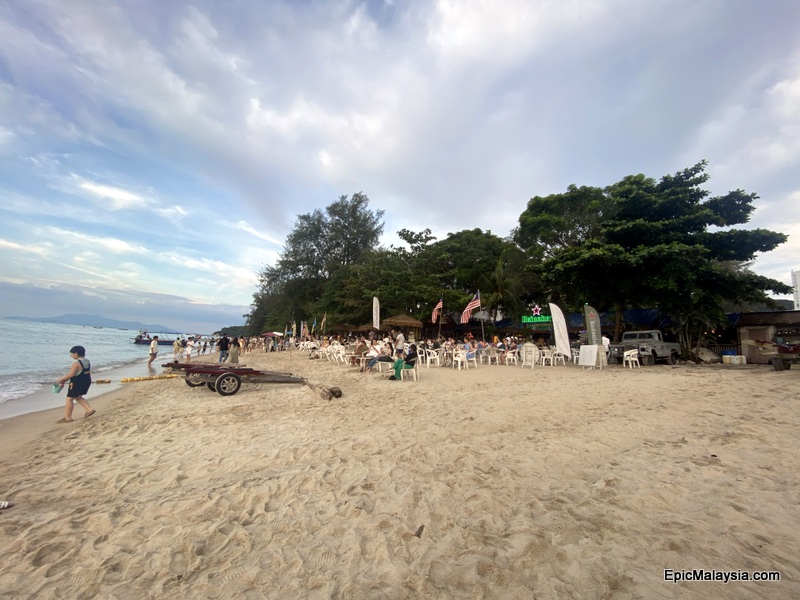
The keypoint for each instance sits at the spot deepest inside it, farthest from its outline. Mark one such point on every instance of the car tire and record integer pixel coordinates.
(228, 384)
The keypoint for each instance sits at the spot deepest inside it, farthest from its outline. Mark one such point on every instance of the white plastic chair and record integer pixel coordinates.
(412, 373)
(530, 355)
(491, 355)
(547, 356)
(511, 357)
(631, 358)
(432, 356)
(460, 358)
(559, 356)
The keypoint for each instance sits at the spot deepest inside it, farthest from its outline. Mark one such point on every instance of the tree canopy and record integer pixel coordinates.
(637, 243)
(665, 244)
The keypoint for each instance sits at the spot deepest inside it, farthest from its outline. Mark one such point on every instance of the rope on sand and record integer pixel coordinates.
(149, 378)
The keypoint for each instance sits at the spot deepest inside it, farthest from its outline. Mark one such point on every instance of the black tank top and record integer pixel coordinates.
(85, 375)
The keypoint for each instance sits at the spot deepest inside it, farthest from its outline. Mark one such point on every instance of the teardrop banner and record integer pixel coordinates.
(560, 330)
(592, 326)
(376, 313)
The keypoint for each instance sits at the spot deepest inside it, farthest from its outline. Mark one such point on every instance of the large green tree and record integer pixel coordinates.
(668, 244)
(320, 244)
(559, 221)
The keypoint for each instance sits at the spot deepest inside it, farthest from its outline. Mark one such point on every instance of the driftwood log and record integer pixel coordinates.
(327, 392)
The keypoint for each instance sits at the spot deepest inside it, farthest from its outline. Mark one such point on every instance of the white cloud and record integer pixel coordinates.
(96, 243)
(185, 119)
(25, 248)
(174, 212)
(245, 226)
(117, 198)
(6, 136)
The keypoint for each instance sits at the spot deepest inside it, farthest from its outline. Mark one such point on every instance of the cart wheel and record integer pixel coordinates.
(210, 386)
(193, 383)
(228, 384)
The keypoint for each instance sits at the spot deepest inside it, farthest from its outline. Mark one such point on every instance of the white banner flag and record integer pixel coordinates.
(376, 313)
(560, 329)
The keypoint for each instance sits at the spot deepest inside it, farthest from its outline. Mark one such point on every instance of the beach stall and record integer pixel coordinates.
(774, 327)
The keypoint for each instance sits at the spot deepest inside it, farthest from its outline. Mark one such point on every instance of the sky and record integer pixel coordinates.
(155, 155)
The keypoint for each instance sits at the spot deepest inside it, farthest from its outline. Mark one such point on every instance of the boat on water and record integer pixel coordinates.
(145, 338)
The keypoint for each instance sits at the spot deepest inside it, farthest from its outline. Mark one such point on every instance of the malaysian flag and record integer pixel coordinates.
(436, 311)
(474, 303)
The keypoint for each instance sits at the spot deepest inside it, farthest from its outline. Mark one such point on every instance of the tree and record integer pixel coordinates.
(654, 247)
(502, 290)
(319, 245)
(463, 258)
(561, 221)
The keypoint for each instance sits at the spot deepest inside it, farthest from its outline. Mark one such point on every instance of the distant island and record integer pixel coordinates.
(98, 321)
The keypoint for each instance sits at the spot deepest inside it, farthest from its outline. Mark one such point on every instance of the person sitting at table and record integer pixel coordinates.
(409, 362)
(384, 355)
(360, 350)
(469, 349)
(373, 352)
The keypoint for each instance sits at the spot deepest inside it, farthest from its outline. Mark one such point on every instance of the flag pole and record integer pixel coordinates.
(441, 314)
(483, 333)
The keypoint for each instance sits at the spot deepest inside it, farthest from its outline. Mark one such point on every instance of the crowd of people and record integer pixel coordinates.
(230, 348)
(393, 348)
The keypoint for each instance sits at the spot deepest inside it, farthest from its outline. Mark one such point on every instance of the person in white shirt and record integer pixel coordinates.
(153, 350)
(188, 350)
(400, 343)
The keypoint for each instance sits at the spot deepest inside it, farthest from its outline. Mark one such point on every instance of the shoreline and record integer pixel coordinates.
(44, 399)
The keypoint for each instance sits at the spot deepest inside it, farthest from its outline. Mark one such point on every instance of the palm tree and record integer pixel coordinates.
(502, 290)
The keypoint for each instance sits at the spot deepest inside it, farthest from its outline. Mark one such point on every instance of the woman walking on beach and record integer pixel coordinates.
(80, 378)
(233, 356)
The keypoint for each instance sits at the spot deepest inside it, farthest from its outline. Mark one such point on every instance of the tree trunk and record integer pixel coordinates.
(618, 324)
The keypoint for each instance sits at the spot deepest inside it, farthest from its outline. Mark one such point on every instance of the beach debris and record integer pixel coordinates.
(419, 531)
(327, 392)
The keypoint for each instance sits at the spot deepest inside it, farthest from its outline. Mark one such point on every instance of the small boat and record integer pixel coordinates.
(145, 338)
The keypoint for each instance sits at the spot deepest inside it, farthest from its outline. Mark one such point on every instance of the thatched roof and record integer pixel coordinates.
(366, 327)
(402, 321)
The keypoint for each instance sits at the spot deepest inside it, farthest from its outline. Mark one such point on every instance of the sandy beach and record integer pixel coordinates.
(498, 482)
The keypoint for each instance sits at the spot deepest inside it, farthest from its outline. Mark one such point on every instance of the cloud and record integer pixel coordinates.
(91, 242)
(28, 249)
(117, 198)
(245, 226)
(188, 124)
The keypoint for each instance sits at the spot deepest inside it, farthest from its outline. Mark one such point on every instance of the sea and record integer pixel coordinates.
(35, 354)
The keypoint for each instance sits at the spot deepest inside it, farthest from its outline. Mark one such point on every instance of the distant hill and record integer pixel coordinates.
(98, 321)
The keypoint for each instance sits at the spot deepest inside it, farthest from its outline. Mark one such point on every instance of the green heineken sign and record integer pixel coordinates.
(537, 317)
